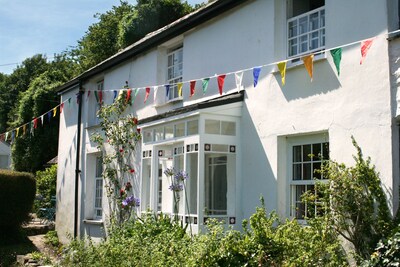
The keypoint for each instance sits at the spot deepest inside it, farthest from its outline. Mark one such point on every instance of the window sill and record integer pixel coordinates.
(169, 102)
(291, 64)
(93, 221)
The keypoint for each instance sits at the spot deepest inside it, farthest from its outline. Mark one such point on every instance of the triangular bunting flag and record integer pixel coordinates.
(238, 80)
(192, 88)
(35, 123)
(24, 129)
(167, 89)
(128, 95)
(69, 101)
(12, 136)
(308, 64)
(78, 97)
(17, 132)
(41, 118)
(54, 112)
(221, 81)
(155, 89)
(147, 94)
(31, 127)
(49, 116)
(100, 97)
(6, 136)
(256, 75)
(282, 70)
(115, 95)
(337, 57)
(205, 84)
(61, 109)
(96, 94)
(365, 46)
(180, 85)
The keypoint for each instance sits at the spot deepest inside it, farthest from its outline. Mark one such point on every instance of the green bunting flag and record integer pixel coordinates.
(337, 57)
(205, 84)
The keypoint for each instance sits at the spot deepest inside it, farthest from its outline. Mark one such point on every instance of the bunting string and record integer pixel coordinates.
(336, 53)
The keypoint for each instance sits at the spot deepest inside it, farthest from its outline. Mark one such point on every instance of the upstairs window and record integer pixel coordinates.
(305, 26)
(175, 71)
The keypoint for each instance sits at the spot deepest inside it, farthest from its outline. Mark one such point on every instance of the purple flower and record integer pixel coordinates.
(131, 201)
(181, 176)
(169, 171)
(176, 187)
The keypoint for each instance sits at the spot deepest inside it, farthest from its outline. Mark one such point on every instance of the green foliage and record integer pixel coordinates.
(387, 253)
(46, 182)
(117, 142)
(148, 16)
(17, 192)
(51, 238)
(158, 241)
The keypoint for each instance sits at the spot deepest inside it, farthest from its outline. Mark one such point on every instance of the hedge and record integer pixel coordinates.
(17, 193)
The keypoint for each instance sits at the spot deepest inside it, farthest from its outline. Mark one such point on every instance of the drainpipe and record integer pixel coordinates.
(78, 153)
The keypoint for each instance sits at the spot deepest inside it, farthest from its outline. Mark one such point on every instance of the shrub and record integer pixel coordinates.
(17, 192)
(46, 187)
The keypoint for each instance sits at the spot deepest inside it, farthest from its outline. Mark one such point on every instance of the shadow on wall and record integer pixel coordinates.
(299, 85)
(258, 178)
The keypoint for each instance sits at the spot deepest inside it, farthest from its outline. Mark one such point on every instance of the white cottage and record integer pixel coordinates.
(236, 140)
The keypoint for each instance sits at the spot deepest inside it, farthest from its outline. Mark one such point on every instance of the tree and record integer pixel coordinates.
(148, 16)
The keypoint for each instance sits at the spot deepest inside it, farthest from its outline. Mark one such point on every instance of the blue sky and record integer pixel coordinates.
(29, 27)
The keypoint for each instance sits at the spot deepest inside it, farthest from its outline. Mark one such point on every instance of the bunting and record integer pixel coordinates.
(308, 63)
(167, 89)
(6, 137)
(180, 85)
(31, 125)
(192, 88)
(365, 46)
(12, 136)
(221, 81)
(24, 129)
(128, 96)
(41, 118)
(61, 109)
(155, 89)
(17, 132)
(238, 80)
(54, 112)
(49, 116)
(96, 95)
(205, 84)
(147, 94)
(256, 74)
(337, 57)
(35, 123)
(100, 97)
(282, 71)
(115, 95)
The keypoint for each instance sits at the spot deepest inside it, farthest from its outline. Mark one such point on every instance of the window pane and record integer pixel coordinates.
(216, 185)
(306, 153)
(159, 133)
(212, 127)
(228, 128)
(316, 170)
(316, 152)
(297, 154)
(99, 166)
(293, 47)
(180, 130)
(314, 21)
(303, 43)
(303, 25)
(307, 175)
(192, 171)
(193, 127)
(146, 178)
(292, 28)
(297, 172)
(169, 131)
(314, 40)
(147, 136)
(325, 149)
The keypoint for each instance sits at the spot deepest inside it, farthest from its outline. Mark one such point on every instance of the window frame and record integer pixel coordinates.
(173, 79)
(98, 189)
(320, 29)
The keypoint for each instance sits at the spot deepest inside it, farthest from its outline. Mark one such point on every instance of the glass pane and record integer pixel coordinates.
(300, 211)
(314, 21)
(193, 127)
(147, 136)
(316, 170)
(99, 167)
(322, 18)
(228, 128)
(306, 152)
(146, 178)
(303, 25)
(212, 127)
(322, 37)
(307, 174)
(159, 133)
(192, 180)
(170, 60)
(180, 130)
(316, 152)
(216, 182)
(297, 171)
(170, 73)
(297, 154)
(303, 43)
(314, 40)
(325, 151)
(292, 28)
(293, 47)
(169, 131)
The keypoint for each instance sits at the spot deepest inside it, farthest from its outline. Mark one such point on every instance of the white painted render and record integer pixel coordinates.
(359, 102)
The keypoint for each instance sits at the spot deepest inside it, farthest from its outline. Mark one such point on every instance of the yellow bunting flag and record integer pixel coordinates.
(180, 89)
(54, 111)
(24, 129)
(308, 63)
(17, 132)
(282, 70)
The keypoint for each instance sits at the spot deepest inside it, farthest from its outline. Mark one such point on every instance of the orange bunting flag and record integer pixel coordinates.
(192, 88)
(365, 46)
(308, 63)
(128, 95)
(24, 129)
(221, 81)
(147, 94)
(54, 112)
(180, 89)
(17, 132)
(61, 109)
(282, 70)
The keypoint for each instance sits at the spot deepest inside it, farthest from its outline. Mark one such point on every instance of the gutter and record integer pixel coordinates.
(77, 170)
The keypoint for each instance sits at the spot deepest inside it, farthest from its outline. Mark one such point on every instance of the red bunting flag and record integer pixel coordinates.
(365, 46)
(128, 95)
(221, 80)
(192, 88)
(100, 97)
(35, 123)
(147, 94)
(61, 109)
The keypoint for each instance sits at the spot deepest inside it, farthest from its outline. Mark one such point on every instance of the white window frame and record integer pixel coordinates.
(212, 212)
(307, 34)
(98, 187)
(173, 79)
(295, 183)
(99, 87)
